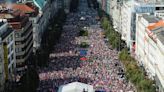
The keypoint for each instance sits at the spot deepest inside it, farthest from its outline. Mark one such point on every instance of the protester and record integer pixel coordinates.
(104, 72)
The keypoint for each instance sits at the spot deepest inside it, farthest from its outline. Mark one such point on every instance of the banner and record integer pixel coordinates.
(5, 59)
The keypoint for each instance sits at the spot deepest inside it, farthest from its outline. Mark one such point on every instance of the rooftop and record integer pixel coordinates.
(151, 18)
(159, 33)
(158, 24)
(22, 7)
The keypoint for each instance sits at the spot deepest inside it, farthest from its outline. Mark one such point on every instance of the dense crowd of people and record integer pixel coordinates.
(103, 71)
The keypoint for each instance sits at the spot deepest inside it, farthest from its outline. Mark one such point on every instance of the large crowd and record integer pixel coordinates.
(103, 72)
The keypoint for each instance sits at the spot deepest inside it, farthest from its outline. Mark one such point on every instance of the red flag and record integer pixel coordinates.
(83, 58)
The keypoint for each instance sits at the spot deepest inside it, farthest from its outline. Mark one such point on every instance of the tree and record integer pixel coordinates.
(135, 74)
(74, 5)
(105, 23)
(123, 55)
(29, 81)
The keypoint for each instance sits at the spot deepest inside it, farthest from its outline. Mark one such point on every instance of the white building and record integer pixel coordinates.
(150, 47)
(129, 10)
(7, 52)
(115, 14)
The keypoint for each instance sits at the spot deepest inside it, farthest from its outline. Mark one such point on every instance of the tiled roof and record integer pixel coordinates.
(156, 25)
(160, 34)
(158, 30)
(23, 7)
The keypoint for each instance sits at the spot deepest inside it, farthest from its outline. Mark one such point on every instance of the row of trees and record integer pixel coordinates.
(93, 3)
(74, 5)
(28, 82)
(89, 3)
(84, 45)
(135, 74)
(50, 38)
(114, 38)
(83, 32)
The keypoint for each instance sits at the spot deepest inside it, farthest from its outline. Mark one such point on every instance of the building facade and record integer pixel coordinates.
(33, 12)
(7, 53)
(43, 15)
(129, 10)
(23, 38)
(2, 75)
(149, 47)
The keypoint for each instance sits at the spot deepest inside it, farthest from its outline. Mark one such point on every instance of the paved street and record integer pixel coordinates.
(104, 70)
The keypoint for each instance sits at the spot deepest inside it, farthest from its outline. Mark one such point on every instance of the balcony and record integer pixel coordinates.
(24, 36)
(20, 53)
(25, 43)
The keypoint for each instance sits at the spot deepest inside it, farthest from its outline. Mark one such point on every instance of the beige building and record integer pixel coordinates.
(150, 47)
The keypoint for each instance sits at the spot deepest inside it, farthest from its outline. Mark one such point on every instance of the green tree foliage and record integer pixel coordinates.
(74, 5)
(110, 33)
(50, 37)
(135, 74)
(105, 23)
(83, 32)
(29, 81)
(84, 45)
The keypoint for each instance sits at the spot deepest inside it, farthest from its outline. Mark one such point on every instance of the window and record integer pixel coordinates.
(9, 61)
(13, 66)
(11, 37)
(19, 57)
(12, 46)
(8, 50)
(18, 50)
(10, 71)
(12, 57)
(17, 43)
(8, 40)
(17, 35)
